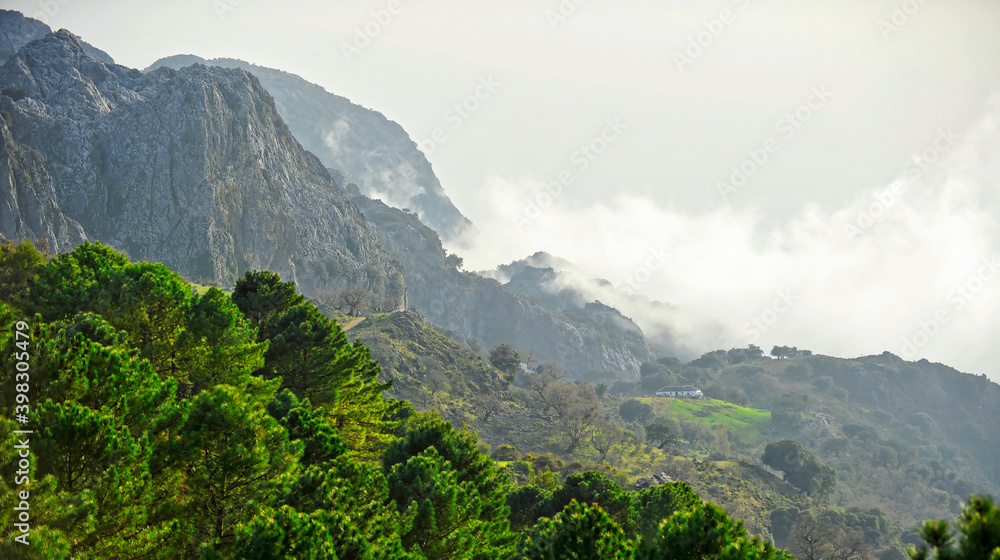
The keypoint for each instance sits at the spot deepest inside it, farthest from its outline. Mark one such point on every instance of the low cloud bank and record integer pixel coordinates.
(912, 267)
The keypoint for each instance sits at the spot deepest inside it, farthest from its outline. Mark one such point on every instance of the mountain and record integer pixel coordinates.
(563, 286)
(425, 365)
(18, 31)
(370, 150)
(193, 168)
(913, 438)
(594, 342)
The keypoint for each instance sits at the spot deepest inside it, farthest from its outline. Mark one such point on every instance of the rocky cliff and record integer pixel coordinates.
(562, 286)
(28, 205)
(17, 31)
(594, 342)
(370, 150)
(193, 168)
(196, 168)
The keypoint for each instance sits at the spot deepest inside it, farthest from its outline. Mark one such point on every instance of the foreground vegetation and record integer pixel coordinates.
(173, 422)
(872, 420)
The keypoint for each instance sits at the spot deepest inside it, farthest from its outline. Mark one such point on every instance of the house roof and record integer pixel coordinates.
(677, 389)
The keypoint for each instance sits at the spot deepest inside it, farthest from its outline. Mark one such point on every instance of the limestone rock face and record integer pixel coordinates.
(652, 480)
(28, 207)
(370, 150)
(195, 168)
(17, 31)
(192, 168)
(595, 342)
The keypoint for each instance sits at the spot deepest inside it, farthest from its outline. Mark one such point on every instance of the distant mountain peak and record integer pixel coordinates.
(367, 148)
(18, 30)
(193, 168)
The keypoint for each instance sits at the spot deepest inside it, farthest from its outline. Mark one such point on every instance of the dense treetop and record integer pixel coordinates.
(171, 424)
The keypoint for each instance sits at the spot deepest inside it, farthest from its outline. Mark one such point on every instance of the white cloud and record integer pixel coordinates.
(852, 295)
(334, 138)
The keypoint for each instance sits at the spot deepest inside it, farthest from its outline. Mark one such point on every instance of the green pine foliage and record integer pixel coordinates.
(579, 531)
(312, 357)
(978, 535)
(705, 531)
(176, 424)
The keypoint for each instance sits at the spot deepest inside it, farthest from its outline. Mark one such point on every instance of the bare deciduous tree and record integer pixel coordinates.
(352, 301)
(490, 405)
(604, 436)
(811, 538)
(325, 300)
(578, 422)
(537, 386)
(380, 303)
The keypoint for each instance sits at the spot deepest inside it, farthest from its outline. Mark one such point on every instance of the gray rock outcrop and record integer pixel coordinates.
(596, 342)
(192, 168)
(370, 150)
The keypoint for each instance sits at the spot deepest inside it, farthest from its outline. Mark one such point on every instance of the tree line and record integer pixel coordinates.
(176, 424)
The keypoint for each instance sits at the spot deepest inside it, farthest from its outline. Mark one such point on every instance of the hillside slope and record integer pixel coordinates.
(436, 372)
(913, 438)
(597, 342)
(192, 168)
(427, 367)
(559, 284)
(367, 148)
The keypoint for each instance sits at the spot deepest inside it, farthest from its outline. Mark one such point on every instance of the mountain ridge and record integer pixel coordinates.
(195, 168)
(151, 163)
(370, 150)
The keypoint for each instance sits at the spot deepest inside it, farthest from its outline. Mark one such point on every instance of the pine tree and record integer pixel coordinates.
(705, 531)
(475, 476)
(19, 266)
(978, 535)
(313, 358)
(441, 516)
(236, 459)
(657, 503)
(360, 492)
(287, 535)
(578, 532)
(593, 487)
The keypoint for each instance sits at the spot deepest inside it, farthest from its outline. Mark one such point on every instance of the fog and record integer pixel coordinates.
(912, 267)
(739, 138)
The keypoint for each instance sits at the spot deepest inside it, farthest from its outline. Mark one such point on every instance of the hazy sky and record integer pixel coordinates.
(833, 98)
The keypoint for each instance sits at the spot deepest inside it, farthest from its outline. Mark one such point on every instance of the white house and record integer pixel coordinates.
(684, 391)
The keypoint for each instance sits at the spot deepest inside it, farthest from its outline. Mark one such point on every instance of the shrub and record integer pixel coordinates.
(635, 411)
(522, 467)
(14, 93)
(506, 453)
(823, 383)
(547, 461)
